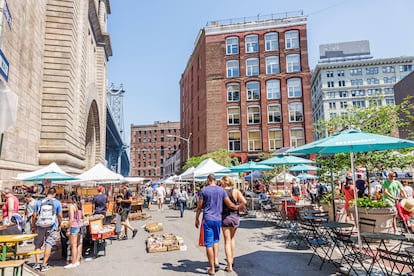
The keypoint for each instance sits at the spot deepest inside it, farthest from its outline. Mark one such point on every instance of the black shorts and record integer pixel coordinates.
(124, 214)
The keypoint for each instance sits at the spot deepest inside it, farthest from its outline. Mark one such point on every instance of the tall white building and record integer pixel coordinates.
(347, 76)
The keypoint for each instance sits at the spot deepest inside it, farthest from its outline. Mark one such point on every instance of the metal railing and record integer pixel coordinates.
(256, 18)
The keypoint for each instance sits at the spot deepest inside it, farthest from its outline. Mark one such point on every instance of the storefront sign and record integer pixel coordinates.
(4, 66)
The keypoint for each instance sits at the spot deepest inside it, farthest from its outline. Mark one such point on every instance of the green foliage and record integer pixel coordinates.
(366, 202)
(221, 156)
(383, 120)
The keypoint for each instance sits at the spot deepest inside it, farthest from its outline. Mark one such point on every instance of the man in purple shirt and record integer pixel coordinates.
(211, 203)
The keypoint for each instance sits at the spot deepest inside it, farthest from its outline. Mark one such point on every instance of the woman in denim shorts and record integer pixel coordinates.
(75, 222)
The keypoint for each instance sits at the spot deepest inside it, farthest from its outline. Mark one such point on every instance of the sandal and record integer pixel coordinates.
(216, 267)
(227, 269)
(210, 273)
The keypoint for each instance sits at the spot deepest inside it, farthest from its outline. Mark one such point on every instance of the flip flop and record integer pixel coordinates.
(227, 269)
(210, 273)
(216, 267)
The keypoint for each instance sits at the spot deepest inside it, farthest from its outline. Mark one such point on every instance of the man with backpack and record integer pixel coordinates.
(47, 218)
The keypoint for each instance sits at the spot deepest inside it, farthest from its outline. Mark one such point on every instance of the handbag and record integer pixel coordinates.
(201, 235)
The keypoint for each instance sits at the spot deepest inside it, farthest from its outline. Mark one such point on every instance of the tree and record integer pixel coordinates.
(221, 156)
(384, 120)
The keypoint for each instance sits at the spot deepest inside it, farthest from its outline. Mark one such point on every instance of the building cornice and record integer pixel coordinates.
(102, 38)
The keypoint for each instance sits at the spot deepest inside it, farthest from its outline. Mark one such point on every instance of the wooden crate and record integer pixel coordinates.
(158, 249)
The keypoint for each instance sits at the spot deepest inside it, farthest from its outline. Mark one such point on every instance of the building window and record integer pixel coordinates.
(332, 105)
(275, 139)
(234, 141)
(232, 68)
(331, 84)
(372, 92)
(233, 115)
(331, 95)
(329, 74)
(294, 87)
(389, 101)
(389, 90)
(271, 42)
(344, 105)
(358, 103)
(341, 73)
(375, 102)
(355, 72)
(297, 137)
(274, 113)
(295, 112)
(255, 141)
(371, 70)
(357, 93)
(341, 83)
(272, 65)
(253, 114)
(253, 90)
(388, 69)
(293, 63)
(233, 92)
(292, 39)
(343, 94)
(232, 45)
(372, 81)
(357, 82)
(390, 79)
(252, 67)
(273, 89)
(406, 68)
(252, 44)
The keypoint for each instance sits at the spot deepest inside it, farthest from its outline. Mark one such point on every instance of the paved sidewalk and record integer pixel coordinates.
(260, 250)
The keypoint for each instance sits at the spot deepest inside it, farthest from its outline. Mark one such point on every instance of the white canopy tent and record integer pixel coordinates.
(203, 169)
(52, 167)
(189, 171)
(99, 173)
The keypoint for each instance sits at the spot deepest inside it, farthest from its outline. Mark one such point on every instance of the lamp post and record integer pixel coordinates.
(186, 140)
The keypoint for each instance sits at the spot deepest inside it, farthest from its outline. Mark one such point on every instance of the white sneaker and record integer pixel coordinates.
(77, 263)
(69, 266)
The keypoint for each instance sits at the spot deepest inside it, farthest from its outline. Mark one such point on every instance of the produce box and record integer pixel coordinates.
(155, 243)
(153, 226)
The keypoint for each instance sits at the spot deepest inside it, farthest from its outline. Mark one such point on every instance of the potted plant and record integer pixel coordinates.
(326, 204)
(377, 210)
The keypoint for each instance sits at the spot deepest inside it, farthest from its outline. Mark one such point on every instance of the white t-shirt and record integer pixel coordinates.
(160, 191)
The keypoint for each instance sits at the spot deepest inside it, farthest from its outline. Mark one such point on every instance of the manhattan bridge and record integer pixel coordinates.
(116, 147)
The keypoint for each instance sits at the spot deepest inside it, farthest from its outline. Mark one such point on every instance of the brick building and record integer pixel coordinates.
(150, 145)
(246, 87)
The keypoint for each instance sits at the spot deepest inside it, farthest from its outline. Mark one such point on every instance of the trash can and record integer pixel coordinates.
(288, 206)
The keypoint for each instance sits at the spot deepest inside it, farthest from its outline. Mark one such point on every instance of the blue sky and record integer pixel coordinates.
(152, 40)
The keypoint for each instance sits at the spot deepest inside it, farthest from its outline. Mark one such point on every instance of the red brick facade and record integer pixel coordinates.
(203, 94)
(150, 144)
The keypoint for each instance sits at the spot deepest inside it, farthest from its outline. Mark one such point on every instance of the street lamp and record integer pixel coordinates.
(184, 139)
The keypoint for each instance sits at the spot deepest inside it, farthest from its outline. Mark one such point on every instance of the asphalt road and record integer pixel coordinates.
(260, 250)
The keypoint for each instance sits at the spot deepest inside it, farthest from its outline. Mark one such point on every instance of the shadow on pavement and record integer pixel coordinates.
(280, 263)
(252, 223)
(195, 267)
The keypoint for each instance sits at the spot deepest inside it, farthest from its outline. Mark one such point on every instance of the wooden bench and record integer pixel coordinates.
(15, 264)
(25, 255)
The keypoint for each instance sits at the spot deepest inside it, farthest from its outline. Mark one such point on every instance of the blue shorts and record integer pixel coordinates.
(211, 233)
(74, 230)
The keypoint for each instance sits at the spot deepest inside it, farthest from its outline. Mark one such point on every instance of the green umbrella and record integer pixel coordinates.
(53, 176)
(303, 168)
(353, 141)
(250, 167)
(285, 160)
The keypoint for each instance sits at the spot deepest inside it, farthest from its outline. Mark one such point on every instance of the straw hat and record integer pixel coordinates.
(408, 204)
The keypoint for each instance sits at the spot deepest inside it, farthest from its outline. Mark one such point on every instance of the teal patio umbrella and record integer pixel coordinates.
(250, 167)
(53, 176)
(283, 160)
(353, 141)
(303, 168)
(306, 176)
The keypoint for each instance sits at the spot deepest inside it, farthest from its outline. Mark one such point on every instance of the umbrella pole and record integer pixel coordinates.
(251, 185)
(333, 194)
(356, 201)
(1, 142)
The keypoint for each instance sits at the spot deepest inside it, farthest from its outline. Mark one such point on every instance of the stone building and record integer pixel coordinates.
(150, 145)
(57, 53)
(402, 90)
(347, 76)
(246, 86)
